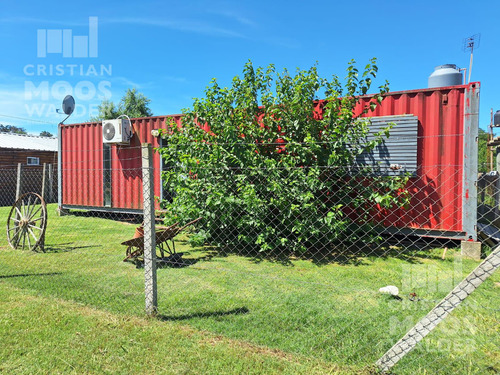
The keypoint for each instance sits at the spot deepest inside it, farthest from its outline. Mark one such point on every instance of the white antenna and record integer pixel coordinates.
(469, 44)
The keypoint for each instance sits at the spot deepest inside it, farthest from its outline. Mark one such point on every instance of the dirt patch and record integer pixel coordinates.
(252, 348)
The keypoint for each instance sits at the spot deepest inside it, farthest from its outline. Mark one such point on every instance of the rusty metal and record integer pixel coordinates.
(135, 246)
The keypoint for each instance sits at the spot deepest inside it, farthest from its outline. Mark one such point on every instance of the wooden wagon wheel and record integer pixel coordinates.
(27, 222)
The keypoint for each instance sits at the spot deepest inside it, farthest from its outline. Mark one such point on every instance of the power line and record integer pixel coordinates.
(28, 119)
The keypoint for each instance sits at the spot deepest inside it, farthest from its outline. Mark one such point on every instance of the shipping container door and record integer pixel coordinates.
(106, 173)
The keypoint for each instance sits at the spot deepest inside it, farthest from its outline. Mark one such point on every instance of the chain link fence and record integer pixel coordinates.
(287, 259)
(20, 179)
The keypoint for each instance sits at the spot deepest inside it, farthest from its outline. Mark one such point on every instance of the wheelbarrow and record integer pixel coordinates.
(135, 246)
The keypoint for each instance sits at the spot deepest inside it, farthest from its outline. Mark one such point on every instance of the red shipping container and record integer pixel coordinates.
(443, 191)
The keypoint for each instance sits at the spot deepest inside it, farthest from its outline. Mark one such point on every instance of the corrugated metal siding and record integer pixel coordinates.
(436, 190)
(27, 142)
(399, 150)
(82, 164)
(82, 160)
(127, 163)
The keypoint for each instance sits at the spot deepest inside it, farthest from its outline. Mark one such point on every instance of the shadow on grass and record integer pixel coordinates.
(237, 311)
(359, 255)
(30, 274)
(115, 216)
(409, 249)
(176, 261)
(66, 247)
(172, 261)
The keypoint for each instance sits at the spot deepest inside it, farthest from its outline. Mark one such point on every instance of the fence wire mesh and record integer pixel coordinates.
(288, 260)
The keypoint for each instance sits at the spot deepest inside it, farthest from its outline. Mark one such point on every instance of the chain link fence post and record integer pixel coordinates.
(19, 182)
(44, 182)
(441, 311)
(149, 230)
(51, 183)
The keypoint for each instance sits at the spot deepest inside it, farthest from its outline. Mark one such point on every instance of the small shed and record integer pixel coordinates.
(31, 152)
(435, 141)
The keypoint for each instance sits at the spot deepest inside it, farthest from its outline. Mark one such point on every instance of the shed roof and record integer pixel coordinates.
(27, 142)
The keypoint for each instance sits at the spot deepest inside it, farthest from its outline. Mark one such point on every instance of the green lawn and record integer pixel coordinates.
(78, 308)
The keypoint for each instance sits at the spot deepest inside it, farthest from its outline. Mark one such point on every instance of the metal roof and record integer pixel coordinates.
(27, 142)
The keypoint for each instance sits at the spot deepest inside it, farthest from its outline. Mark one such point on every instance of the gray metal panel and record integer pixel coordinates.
(398, 151)
(469, 190)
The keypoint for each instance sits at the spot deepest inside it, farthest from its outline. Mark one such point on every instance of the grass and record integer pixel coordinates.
(49, 335)
(79, 309)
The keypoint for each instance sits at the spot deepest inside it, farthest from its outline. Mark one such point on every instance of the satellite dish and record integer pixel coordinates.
(68, 104)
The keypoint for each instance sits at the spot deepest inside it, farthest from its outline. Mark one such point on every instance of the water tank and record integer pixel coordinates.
(496, 119)
(445, 75)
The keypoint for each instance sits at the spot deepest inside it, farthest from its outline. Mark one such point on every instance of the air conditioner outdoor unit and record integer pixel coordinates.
(116, 131)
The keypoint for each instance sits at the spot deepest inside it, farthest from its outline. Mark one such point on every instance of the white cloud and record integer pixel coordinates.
(14, 110)
(44, 21)
(187, 25)
(235, 16)
(36, 114)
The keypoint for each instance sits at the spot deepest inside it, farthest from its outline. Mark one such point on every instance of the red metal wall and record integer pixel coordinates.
(82, 164)
(436, 191)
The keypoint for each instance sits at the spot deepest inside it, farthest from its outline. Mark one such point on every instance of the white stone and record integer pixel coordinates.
(389, 289)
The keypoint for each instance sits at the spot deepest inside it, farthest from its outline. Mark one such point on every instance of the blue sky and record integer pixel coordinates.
(170, 50)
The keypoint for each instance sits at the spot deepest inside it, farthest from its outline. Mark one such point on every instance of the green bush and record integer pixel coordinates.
(271, 168)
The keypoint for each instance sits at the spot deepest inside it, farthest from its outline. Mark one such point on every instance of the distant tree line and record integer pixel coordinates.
(18, 130)
(12, 129)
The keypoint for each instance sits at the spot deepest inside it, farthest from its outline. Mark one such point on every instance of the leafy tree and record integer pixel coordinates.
(271, 168)
(107, 111)
(483, 154)
(135, 104)
(12, 129)
(45, 134)
(132, 104)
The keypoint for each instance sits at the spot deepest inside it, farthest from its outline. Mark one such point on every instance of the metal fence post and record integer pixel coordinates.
(469, 173)
(149, 230)
(44, 180)
(51, 184)
(19, 184)
(440, 311)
